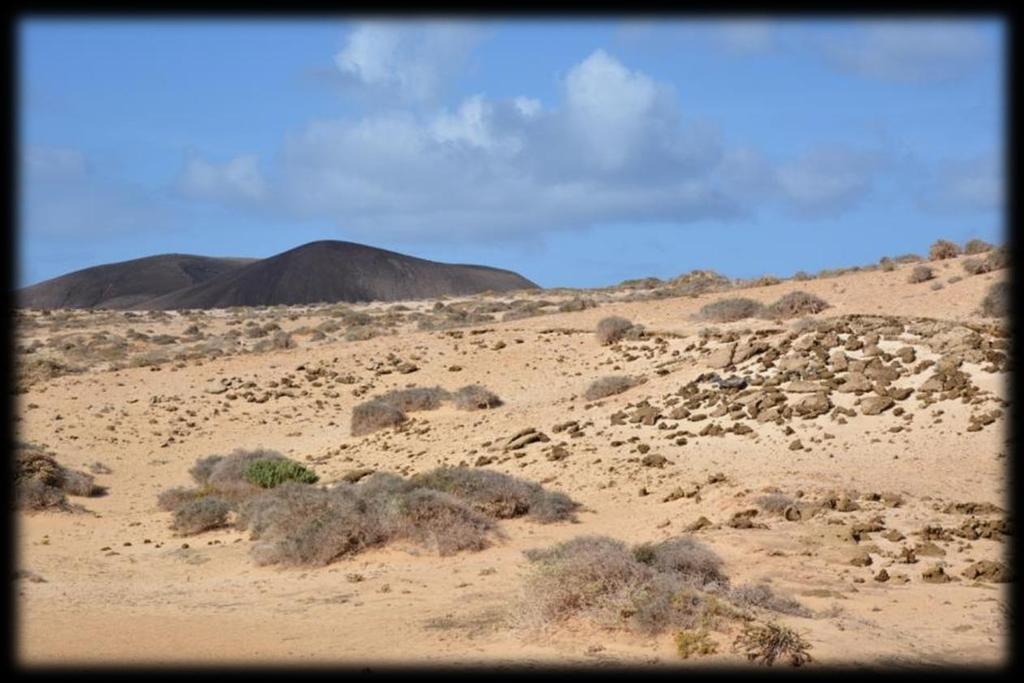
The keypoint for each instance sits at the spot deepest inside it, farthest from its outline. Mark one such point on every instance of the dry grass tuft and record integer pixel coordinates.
(475, 397)
(769, 643)
(795, 304)
(943, 249)
(996, 303)
(920, 274)
(730, 310)
(609, 386)
(373, 415)
(612, 329)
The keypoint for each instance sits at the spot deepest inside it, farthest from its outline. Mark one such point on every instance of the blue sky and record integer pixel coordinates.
(578, 153)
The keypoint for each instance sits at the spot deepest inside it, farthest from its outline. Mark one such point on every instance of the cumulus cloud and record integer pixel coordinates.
(961, 185)
(62, 195)
(908, 51)
(238, 179)
(826, 181)
(412, 61)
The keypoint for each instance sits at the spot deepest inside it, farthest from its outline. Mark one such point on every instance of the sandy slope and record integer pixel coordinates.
(111, 596)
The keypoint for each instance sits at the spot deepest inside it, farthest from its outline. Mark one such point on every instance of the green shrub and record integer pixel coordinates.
(270, 473)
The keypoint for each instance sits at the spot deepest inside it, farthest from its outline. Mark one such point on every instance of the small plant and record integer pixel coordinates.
(415, 398)
(996, 303)
(920, 274)
(976, 265)
(270, 473)
(730, 310)
(943, 249)
(200, 515)
(977, 246)
(374, 415)
(612, 329)
(475, 397)
(795, 304)
(771, 642)
(609, 386)
(695, 644)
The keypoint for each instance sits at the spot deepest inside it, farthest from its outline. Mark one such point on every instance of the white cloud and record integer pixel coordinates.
(826, 181)
(237, 179)
(412, 61)
(963, 185)
(47, 163)
(908, 51)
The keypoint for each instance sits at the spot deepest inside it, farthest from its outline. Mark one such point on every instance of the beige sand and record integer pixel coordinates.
(158, 602)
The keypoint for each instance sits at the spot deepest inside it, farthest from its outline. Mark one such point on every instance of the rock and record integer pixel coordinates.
(875, 405)
(812, 406)
(524, 438)
(214, 388)
(935, 574)
(722, 356)
(792, 514)
(654, 460)
(986, 570)
(745, 520)
(929, 549)
(855, 381)
(701, 523)
(801, 386)
(796, 445)
(882, 576)
(861, 559)
(405, 367)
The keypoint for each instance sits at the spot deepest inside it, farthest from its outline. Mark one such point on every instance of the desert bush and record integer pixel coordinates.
(975, 265)
(802, 275)
(685, 556)
(576, 304)
(977, 246)
(475, 397)
(920, 274)
(273, 472)
(373, 415)
(795, 304)
(200, 514)
(997, 259)
(42, 483)
(730, 310)
(943, 249)
(774, 503)
(768, 643)
(498, 495)
(173, 498)
(762, 596)
(694, 643)
(886, 264)
(437, 520)
(415, 398)
(996, 303)
(609, 386)
(908, 258)
(612, 329)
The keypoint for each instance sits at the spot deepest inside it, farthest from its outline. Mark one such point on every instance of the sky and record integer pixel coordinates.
(575, 152)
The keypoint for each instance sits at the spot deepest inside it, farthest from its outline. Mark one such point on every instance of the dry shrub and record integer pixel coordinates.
(498, 495)
(768, 643)
(774, 503)
(601, 579)
(977, 246)
(439, 521)
(612, 329)
(609, 386)
(975, 265)
(576, 304)
(795, 304)
(998, 259)
(762, 596)
(200, 514)
(475, 397)
(886, 264)
(694, 643)
(730, 310)
(943, 249)
(685, 556)
(374, 415)
(920, 274)
(42, 483)
(802, 275)
(415, 398)
(996, 303)
(908, 258)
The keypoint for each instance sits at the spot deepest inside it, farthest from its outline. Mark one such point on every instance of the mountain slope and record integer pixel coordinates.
(328, 271)
(126, 284)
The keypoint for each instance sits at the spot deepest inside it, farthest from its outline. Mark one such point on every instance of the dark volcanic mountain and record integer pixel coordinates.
(339, 271)
(326, 271)
(126, 284)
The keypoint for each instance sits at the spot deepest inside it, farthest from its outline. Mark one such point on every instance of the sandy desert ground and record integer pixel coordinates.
(921, 484)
